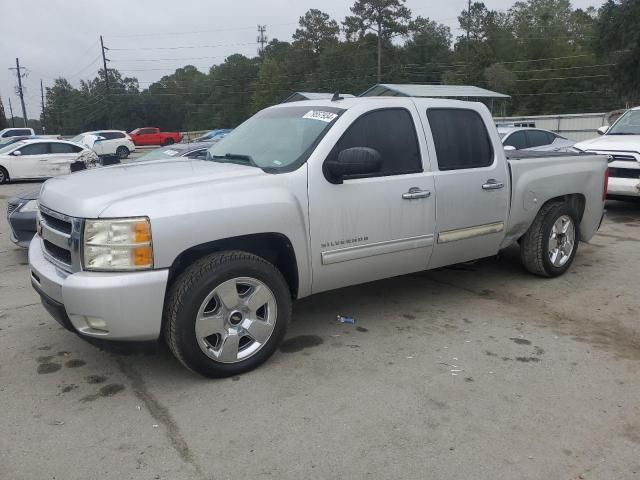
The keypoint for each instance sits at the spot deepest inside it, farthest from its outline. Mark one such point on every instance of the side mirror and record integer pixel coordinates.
(17, 153)
(353, 162)
(99, 139)
(509, 148)
(602, 130)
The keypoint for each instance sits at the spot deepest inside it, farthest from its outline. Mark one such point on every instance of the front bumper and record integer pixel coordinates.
(128, 305)
(23, 227)
(624, 187)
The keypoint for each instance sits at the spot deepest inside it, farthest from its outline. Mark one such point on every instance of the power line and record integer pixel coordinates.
(182, 47)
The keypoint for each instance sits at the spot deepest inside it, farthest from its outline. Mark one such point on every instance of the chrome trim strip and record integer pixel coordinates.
(56, 237)
(373, 249)
(470, 232)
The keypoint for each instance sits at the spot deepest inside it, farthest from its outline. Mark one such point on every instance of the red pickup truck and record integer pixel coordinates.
(153, 136)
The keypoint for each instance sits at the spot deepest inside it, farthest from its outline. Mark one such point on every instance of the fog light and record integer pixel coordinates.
(96, 323)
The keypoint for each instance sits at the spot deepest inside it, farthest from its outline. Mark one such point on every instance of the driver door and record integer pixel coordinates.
(31, 161)
(370, 226)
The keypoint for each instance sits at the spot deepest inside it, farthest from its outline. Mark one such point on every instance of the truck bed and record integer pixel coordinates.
(537, 177)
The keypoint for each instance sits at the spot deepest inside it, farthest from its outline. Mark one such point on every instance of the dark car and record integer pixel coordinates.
(21, 214)
(196, 150)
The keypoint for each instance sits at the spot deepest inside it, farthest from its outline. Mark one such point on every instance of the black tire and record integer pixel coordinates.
(167, 142)
(534, 243)
(122, 152)
(191, 288)
(4, 175)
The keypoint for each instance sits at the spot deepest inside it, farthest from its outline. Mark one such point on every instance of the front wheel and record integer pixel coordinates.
(550, 245)
(167, 142)
(227, 313)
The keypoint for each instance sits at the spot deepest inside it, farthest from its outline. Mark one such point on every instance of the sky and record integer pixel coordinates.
(145, 38)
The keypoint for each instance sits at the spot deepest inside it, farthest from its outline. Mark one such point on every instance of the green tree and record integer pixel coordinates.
(618, 39)
(385, 18)
(317, 31)
(427, 53)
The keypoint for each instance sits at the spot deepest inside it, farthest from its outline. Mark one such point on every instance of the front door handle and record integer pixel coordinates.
(493, 184)
(415, 193)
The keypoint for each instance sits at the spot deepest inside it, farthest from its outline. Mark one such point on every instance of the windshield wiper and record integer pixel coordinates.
(623, 133)
(246, 159)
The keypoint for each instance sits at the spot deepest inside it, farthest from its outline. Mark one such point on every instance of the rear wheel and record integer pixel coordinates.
(4, 175)
(227, 313)
(122, 152)
(550, 245)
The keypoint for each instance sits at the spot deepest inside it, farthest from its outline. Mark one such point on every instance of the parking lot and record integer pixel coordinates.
(476, 371)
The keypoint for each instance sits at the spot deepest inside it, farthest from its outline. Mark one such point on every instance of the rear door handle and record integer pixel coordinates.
(415, 193)
(493, 184)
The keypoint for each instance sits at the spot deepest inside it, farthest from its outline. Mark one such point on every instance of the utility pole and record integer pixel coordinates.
(379, 52)
(262, 38)
(106, 81)
(468, 45)
(13, 121)
(20, 91)
(42, 100)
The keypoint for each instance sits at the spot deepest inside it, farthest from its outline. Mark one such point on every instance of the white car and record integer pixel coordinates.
(16, 132)
(536, 139)
(622, 142)
(107, 143)
(43, 158)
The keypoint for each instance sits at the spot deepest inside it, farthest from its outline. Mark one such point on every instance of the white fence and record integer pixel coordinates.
(578, 126)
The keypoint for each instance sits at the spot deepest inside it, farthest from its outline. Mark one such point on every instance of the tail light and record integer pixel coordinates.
(605, 187)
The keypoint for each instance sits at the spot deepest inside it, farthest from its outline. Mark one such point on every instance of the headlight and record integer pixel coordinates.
(30, 206)
(117, 244)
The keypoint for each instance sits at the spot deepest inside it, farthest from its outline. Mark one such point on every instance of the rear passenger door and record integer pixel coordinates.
(471, 183)
(61, 156)
(376, 225)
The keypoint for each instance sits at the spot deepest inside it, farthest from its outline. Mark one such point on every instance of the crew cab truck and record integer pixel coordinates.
(301, 198)
(153, 136)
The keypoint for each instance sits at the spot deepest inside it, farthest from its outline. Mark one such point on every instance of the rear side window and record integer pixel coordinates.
(517, 140)
(63, 148)
(537, 138)
(17, 133)
(461, 138)
(392, 133)
(146, 131)
(111, 135)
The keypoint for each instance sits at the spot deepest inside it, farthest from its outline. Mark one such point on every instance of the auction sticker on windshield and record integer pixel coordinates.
(320, 115)
(171, 153)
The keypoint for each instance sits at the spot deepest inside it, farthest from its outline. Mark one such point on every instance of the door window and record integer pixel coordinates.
(64, 148)
(34, 149)
(461, 138)
(392, 133)
(537, 138)
(147, 131)
(517, 140)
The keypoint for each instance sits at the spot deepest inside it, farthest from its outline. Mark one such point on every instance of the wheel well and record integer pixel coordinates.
(575, 200)
(273, 247)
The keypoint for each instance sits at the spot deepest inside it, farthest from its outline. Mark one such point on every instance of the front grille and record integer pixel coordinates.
(56, 223)
(624, 172)
(58, 253)
(12, 208)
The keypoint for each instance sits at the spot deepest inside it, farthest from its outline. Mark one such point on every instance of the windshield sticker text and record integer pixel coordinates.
(320, 115)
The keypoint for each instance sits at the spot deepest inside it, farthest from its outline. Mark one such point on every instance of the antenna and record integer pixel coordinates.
(336, 97)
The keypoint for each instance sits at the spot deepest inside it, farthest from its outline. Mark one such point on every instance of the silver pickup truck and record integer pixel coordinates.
(301, 198)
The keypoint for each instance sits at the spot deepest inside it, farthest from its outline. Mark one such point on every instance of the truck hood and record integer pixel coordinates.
(87, 193)
(612, 143)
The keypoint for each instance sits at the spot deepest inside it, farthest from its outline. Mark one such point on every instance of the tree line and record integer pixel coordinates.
(550, 57)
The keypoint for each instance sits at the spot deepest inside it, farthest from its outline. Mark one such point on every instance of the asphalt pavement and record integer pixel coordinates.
(477, 371)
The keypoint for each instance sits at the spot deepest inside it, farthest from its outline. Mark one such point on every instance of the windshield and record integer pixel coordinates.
(627, 124)
(77, 139)
(8, 148)
(277, 138)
